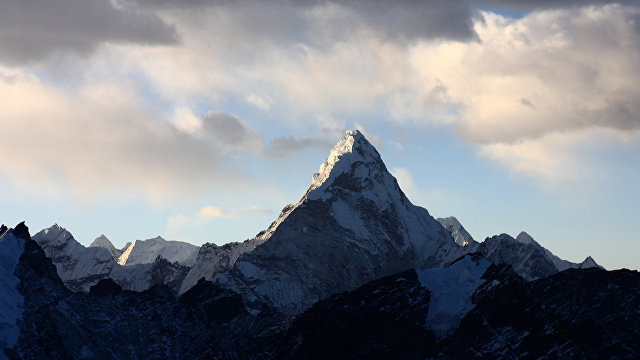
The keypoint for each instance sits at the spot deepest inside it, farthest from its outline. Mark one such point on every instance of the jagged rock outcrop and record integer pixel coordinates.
(81, 267)
(525, 255)
(213, 260)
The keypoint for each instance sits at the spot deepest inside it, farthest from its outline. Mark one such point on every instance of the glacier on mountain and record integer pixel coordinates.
(451, 289)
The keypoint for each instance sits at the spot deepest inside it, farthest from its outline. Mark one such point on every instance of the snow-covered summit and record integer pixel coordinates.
(354, 224)
(78, 266)
(459, 233)
(55, 235)
(146, 252)
(351, 148)
(525, 238)
(103, 242)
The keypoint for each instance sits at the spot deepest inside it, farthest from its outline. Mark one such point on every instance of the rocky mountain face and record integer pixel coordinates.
(470, 309)
(560, 264)
(528, 260)
(81, 267)
(353, 225)
(78, 266)
(525, 255)
(213, 260)
(569, 315)
(52, 322)
(353, 270)
(141, 277)
(364, 213)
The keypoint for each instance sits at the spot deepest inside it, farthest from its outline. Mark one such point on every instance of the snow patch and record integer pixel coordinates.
(451, 290)
(347, 218)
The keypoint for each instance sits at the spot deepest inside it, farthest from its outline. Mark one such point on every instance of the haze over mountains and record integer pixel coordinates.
(353, 241)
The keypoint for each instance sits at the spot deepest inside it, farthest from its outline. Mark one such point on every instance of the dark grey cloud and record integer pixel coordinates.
(285, 145)
(31, 30)
(230, 132)
(405, 20)
(526, 102)
(541, 4)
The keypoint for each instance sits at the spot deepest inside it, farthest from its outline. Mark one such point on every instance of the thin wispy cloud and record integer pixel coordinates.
(178, 222)
(259, 210)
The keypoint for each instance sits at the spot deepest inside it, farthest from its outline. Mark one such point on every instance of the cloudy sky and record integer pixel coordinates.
(199, 120)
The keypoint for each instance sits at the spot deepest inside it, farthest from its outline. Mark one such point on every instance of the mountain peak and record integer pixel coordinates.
(353, 147)
(103, 242)
(22, 231)
(102, 239)
(525, 238)
(55, 234)
(452, 220)
(459, 233)
(588, 263)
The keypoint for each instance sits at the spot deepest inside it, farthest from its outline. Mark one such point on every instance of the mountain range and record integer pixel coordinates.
(353, 269)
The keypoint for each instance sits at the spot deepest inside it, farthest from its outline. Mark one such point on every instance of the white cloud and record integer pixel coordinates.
(185, 120)
(258, 101)
(177, 222)
(97, 139)
(530, 88)
(212, 212)
(201, 217)
(258, 209)
(548, 75)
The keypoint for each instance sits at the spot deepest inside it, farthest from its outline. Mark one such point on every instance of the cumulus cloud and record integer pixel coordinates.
(509, 85)
(258, 101)
(179, 221)
(530, 84)
(230, 132)
(32, 30)
(99, 139)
